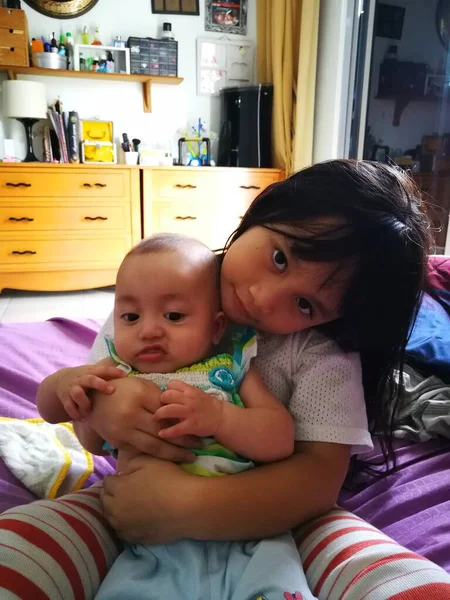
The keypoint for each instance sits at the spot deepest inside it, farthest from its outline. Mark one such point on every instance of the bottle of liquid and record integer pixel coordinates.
(167, 32)
(47, 46)
(97, 41)
(82, 62)
(102, 64)
(54, 44)
(118, 42)
(62, 45)
(85, 37)
(110, 67)
(70, 52)
(95, 63)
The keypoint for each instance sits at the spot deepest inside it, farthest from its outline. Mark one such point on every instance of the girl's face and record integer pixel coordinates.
(265, 286)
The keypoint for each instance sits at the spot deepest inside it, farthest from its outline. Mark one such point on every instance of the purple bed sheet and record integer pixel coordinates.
(412, 505)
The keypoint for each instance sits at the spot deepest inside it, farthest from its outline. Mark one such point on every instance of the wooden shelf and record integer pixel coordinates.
(402, 101)
(146, 80)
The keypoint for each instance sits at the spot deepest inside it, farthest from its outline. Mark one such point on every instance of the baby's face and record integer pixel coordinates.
(166, 313)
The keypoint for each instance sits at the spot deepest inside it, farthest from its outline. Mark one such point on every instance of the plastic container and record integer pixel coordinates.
(48, 60)
(131, 158)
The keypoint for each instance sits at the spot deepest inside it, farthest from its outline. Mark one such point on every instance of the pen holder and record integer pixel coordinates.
(131, 158)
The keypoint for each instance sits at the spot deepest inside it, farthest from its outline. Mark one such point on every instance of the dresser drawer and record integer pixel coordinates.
(179, 185)
(64, 218)
(13, 38)
(54, 252)
(63, 184)
(12, 18)
(181, 217)
(14, 57)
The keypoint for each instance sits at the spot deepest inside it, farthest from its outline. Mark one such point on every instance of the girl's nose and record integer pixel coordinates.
(263, 298)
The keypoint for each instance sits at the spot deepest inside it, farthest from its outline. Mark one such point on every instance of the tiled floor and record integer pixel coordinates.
(39, 306)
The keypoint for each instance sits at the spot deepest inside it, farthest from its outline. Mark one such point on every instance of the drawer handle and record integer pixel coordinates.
(250, 187)
(17, 219)
(23, 252)
(12, 49)
(95, 218)
(89, 185)
(188, 218)
(187, 186)
(100, 185)
(20, 184)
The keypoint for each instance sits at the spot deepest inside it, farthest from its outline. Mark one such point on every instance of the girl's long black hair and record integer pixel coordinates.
(379, 228)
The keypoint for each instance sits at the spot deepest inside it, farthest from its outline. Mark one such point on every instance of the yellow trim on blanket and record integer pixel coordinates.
(89, 462)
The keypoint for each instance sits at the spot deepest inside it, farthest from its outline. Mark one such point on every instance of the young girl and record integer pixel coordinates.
(328, 262)
(337, 254)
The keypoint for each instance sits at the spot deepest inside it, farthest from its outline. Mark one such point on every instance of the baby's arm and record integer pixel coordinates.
(62, 397)
(263, 431)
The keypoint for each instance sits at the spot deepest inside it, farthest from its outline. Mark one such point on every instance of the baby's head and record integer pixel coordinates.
(167, 304)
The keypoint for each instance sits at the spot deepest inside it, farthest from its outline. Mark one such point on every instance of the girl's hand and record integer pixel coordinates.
(74, 383)
(197, 412)
(150, 501)
(125, 419)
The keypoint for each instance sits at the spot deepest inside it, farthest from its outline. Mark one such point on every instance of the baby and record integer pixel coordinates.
(167, 325)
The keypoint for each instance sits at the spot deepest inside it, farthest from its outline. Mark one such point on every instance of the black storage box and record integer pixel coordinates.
(153, 57)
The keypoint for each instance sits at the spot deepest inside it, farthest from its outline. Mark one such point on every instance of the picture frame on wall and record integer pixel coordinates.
(176, 7)
(225, 16)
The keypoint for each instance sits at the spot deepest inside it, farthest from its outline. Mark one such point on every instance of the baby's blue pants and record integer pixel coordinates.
(192, 570)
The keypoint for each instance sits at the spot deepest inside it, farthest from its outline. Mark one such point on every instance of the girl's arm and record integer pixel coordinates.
(144, 505)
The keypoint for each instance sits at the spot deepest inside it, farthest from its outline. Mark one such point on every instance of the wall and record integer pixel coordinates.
(174, 107)
(419, 43)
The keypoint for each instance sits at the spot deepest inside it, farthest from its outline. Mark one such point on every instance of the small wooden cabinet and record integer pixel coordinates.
(435, 188)
(13, 38)
(206, 203)
(66, 227)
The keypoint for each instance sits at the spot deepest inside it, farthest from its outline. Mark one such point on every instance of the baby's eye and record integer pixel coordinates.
(279, 259)
(305, 306)
(130, 317)
(174, 317)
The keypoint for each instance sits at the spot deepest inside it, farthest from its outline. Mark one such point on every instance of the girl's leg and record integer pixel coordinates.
(56, 549)
(344, 557)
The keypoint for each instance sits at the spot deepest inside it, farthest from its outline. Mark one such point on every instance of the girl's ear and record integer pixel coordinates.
(220, 323)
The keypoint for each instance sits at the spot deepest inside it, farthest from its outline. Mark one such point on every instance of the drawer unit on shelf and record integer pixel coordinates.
(66, 227)
(207, 203)
(13, 38)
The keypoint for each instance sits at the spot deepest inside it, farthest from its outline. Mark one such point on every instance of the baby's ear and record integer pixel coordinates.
(220, 323)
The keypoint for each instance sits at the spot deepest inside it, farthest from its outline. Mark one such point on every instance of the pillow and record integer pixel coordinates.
(429, 345)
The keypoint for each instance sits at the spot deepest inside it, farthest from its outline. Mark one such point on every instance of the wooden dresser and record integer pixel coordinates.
(66, 227)
(206, 203)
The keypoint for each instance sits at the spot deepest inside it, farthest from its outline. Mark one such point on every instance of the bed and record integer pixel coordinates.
(412, 505)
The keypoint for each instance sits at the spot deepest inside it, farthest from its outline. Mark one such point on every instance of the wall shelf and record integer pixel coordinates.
(146, 80)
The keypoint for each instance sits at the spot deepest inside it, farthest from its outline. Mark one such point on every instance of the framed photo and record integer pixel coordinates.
(389, 21)
(226, 17)
(176, 7)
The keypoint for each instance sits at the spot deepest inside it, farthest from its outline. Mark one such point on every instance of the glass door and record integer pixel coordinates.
(401, 82)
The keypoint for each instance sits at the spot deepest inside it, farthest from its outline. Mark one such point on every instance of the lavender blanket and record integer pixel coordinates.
(412, 506)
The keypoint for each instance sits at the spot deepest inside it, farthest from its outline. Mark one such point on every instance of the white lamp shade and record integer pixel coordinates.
(24, 99)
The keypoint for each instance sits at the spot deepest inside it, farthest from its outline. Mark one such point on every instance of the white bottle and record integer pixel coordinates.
(70, 52)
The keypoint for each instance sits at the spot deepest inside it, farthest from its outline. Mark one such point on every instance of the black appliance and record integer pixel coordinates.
(246, 126)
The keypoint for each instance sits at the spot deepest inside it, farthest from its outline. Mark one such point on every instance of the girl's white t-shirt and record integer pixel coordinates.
(319, 383)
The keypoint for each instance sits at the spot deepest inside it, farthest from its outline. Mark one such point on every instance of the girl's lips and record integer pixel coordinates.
(241, 306)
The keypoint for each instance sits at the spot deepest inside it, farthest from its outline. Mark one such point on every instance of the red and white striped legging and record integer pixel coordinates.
(62, 549)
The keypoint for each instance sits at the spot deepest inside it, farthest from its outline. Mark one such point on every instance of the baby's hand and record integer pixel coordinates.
(74, 383)
(197, 412)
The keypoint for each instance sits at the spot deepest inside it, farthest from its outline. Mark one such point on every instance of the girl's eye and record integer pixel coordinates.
(130, 317)
(174, 317)
(279, 260)
(304, 306)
